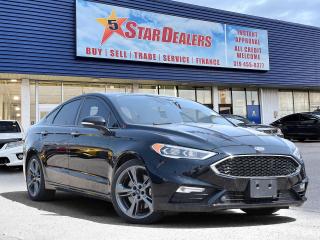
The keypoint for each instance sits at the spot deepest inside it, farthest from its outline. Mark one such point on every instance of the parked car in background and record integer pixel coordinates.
(300, 126)
(244, 122)
(11, 143)
(150, 154)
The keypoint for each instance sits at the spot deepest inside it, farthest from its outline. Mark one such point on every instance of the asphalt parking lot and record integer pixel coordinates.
(74, 217)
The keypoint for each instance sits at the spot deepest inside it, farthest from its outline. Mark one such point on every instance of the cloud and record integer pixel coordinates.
(298, 11)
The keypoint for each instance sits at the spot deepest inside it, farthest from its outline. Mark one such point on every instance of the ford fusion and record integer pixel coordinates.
(150, 155)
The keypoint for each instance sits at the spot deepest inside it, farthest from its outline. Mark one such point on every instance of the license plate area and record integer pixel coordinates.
(263, 188)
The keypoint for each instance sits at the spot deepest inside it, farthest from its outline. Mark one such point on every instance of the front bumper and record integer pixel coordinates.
(9, 157)
(220, 192)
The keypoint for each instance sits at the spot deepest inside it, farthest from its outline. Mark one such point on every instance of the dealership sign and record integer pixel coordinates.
(110, 32)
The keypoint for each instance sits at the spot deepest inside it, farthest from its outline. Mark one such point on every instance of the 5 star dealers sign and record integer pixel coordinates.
(110, 32)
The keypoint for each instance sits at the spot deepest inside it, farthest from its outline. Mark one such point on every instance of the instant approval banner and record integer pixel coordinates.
(110, 32)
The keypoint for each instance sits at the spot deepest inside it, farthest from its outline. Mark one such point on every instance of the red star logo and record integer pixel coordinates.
(112, 25)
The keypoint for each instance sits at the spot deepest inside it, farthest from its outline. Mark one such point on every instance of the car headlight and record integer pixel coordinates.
(297, 153)
(14, 144)
(279, 132)
(171, 151)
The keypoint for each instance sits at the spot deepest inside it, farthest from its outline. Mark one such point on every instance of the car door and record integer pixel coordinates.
(308, 125)
(91, 151)
(289, 125)
(56, 138)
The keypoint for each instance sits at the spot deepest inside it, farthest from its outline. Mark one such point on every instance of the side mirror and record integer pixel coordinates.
(96, 122)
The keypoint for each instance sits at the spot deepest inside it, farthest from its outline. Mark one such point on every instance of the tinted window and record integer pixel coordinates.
(51, 116)
(155, 110)
(96, 107)
(291, 118)
(67, 114)
(9, 127)
(304, 117)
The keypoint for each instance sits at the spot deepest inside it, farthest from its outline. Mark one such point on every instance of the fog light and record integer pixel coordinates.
(184, 189)
(20, 156)
(302, 187)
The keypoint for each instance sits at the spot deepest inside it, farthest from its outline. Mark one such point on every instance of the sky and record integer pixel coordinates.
(299, 11)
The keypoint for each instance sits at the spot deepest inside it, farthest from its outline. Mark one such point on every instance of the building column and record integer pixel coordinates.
(215, 98)
(269, 100)
(25, 104)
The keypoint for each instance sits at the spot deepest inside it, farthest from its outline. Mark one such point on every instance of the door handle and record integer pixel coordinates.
(75, 134)
(44, 133)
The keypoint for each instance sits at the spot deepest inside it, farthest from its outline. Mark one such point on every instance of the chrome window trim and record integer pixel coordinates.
(216, 171)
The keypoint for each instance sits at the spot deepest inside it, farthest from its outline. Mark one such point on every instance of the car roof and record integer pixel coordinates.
(112, 95)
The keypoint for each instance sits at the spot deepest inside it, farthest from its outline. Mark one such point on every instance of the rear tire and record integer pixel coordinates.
(131, 193)
(260, 211)
(36, 182)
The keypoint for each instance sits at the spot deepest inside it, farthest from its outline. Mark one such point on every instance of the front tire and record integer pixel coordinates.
(36, 182)
(131, 194)
(260, 211)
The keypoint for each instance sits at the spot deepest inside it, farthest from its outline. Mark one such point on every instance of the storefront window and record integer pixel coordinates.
(239, 102)
(252, 97)
(10, 100)
(167, 90)
(204, 96)
(225, 106)
(301, 101)
(224, 96)
(187, 92)
(50, 92)
(148, 89)
(118, 88)
(50, 96)
(314, 101)
(286, 103)
(71, 90)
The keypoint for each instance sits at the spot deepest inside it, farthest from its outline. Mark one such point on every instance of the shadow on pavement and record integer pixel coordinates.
(99, 211)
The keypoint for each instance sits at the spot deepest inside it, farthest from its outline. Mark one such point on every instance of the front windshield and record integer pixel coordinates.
(149, 110)
(9, 127)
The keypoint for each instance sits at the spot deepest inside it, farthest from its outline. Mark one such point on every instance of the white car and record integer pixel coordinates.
(11, 143)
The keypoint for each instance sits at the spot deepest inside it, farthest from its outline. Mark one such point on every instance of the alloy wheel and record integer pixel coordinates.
(34, 177)
(133, 192)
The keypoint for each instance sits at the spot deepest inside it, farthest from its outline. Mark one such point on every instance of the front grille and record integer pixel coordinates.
(257, 166)
(4, 160)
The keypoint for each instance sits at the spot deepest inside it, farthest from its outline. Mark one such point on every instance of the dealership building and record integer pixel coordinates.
(51, 51)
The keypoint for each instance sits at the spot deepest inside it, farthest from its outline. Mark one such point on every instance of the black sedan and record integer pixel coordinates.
(150, 155)
(244, 122)
(300, 126)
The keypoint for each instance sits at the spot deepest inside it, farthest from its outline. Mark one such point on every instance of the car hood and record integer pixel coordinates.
(260, 126)
(4, 136)
(227, 138)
